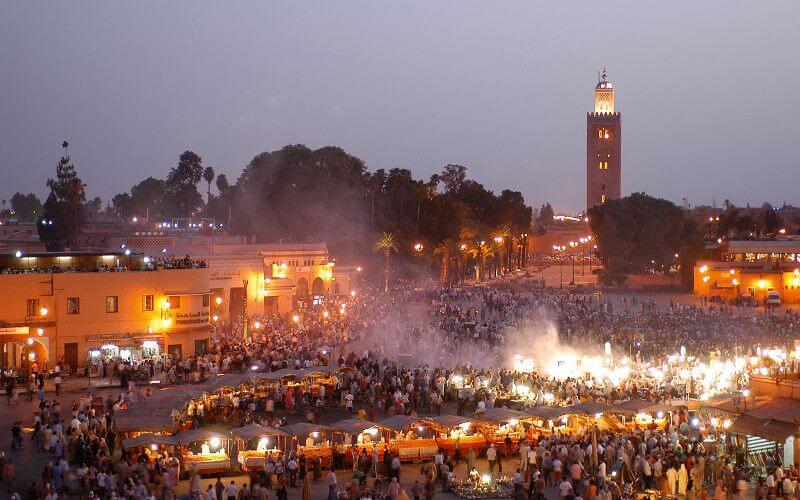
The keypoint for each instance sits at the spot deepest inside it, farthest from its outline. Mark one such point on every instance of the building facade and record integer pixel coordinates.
(81, 307)
(603, 147)
(751, 269)
(248, 278)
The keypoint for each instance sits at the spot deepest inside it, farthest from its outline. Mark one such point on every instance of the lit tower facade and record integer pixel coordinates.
(603, 147)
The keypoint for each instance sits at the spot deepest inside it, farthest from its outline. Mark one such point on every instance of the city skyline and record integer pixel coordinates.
(503, 92)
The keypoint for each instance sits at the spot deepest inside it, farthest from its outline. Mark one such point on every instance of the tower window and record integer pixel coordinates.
(602, 133)
(602, 165)
(602, 198)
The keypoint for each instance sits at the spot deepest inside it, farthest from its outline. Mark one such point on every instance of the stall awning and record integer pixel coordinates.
(448, 421)
(589, 408)
(548, 412)
(631, 407)
(398, 422)
(303, 429)
(352, 425)
(143, 419)
(147, 440)
(197, 435)
(251, 431)
(773, 430)
(499, 415)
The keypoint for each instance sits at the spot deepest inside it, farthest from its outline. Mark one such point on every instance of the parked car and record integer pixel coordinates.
(773, 298)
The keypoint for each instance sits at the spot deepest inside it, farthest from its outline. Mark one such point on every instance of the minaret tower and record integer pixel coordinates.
(603, 146)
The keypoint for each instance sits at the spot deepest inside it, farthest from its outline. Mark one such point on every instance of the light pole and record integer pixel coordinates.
(573, 245)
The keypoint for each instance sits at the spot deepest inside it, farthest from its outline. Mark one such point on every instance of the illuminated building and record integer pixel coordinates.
(79, 306)
(603, 147)
(751, 268)
(248, 277)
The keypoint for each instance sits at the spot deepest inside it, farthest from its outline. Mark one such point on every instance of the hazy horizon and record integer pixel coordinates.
(705, 90)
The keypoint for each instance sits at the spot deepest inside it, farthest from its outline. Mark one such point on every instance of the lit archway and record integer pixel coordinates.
(318, 286)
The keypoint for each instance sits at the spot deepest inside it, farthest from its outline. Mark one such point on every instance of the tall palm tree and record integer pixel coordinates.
(386, 243)
(482, 251)
(447, 249)
(502, 239)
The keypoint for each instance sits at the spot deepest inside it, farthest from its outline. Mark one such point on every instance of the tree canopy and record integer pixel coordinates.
(640, 233)
(64, 213)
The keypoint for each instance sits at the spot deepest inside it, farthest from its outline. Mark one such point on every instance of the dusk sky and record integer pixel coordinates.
(708, 90)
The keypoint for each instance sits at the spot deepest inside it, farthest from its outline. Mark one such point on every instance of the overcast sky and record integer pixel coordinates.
(708, 90)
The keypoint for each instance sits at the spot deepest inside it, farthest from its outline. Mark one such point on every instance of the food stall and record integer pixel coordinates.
(204, 451)
(549, 419)
(137, 420)
(498, 423)
(254, 442)
(642, 414)
(151, 444)
(409, 438)
(593, 413)
(457, 433)
(362, 434)
(312, 440)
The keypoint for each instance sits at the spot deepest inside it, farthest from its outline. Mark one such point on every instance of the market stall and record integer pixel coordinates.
(642, 414)
(548, 419)
(204, 451)
(137, 420)
(497, 424)
(312, 440)
(457, 433)
(361, 434)
(409, 438)
(254, 442)
(150, 445)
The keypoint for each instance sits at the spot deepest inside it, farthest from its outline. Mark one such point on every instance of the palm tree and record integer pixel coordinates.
(387, 242)
(482, 251)
(208, 176)
(503, 240)
(446, 250)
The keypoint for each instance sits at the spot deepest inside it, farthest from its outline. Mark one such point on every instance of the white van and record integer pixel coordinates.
(773, 298)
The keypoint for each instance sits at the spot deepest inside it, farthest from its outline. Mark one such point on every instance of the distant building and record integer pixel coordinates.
(82, 307)
(751, 268)
(603, 147)
(249, 278)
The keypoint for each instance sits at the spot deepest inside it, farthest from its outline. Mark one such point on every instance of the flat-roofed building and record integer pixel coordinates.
(80, 307)
(752, 269)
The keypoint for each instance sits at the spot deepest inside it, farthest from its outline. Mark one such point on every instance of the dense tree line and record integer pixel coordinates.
(640, 233)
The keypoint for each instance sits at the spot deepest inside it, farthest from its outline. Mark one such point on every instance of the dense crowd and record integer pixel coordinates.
(412, 353)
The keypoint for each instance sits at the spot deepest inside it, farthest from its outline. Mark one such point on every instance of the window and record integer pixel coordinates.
(33, 307)
(73, 305)
(602, 133)
(112, 304)
(602, 198)
(174, 302)
(205, 300)
(148, 302)
(602, 165)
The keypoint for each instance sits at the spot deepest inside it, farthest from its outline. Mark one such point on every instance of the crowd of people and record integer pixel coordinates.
(413, 352)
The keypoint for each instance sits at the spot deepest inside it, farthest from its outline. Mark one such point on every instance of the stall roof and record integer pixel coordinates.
(548, 412)
(631, 406)
(352, 425)
(303, 429)
(143, 419)
(773, 430)
(589, 408)
(498, 415)
(183, 393)
(232, 380)
(147, 440)
(398, 422)
(195, 435)
(448, 421)
(251, 431)
(764, 407)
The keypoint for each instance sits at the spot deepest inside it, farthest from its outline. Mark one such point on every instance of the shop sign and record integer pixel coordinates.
(195, 318)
